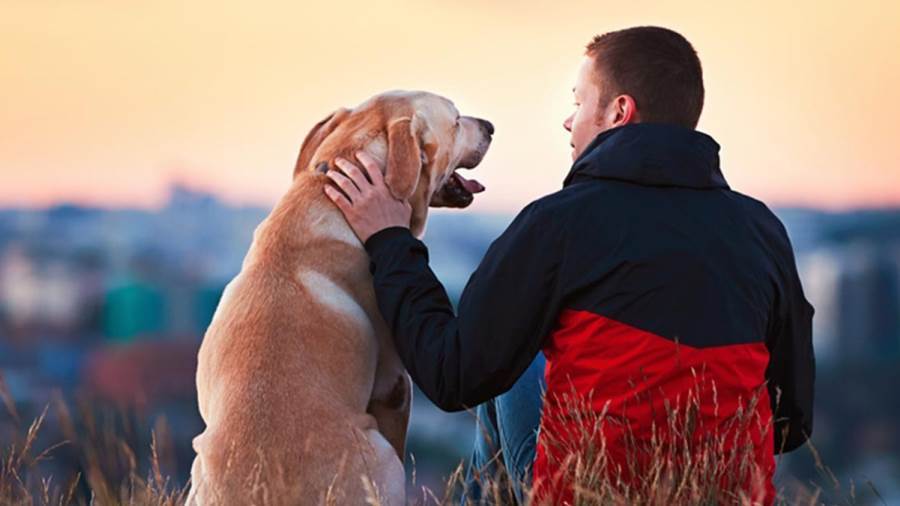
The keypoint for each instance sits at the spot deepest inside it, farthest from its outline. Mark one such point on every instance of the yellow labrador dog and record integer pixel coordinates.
(303, 395)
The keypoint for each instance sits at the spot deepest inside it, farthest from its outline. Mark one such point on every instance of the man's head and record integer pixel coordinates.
(644, 74)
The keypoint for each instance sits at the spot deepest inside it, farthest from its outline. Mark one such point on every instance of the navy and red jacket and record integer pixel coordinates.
(643, 279)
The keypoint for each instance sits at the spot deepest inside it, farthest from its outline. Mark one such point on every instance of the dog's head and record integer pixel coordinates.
(420, 138)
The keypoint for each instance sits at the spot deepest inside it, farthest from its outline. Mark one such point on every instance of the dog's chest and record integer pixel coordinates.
(336, 301)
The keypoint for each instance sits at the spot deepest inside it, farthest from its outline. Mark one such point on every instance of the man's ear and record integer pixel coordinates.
(315, 137)
(404, 159)
(625, 109)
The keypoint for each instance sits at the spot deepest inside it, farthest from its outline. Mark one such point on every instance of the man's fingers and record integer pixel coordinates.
(371, 166)
(353, 172)
(345, 184)
(338, 198)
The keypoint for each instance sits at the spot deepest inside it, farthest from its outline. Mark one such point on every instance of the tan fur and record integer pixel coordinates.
(299, 384)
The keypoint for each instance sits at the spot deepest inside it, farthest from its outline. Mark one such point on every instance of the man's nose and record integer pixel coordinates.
(567, 124)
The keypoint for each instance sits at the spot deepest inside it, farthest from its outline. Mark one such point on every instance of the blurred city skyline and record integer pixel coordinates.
(106, 104)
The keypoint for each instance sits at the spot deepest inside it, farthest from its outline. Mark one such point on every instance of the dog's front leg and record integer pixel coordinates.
(391, 399)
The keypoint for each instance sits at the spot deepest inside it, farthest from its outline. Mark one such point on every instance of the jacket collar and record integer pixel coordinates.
(651, 154)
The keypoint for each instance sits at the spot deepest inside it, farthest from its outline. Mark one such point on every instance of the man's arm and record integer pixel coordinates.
(509, 304)
(792, 367)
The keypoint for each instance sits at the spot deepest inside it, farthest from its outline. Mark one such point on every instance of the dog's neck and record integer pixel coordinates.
(314, 215)
(376, 148)
(303, 222)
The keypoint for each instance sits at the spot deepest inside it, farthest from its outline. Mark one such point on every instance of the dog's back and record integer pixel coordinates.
(287, 366)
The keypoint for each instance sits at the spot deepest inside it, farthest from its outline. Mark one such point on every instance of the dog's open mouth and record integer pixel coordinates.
(456, 192)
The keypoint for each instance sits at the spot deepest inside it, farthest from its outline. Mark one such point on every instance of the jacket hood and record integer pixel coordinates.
(652, 154)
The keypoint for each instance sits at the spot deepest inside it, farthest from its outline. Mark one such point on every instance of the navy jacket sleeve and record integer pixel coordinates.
(508, 306)
(792, 367)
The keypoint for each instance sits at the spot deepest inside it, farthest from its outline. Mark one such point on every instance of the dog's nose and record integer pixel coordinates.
(487, 126)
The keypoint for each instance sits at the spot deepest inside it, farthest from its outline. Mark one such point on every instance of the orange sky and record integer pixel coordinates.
(106, 102)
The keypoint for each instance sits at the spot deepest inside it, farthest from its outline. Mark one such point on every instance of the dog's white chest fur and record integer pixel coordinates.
(334, 298)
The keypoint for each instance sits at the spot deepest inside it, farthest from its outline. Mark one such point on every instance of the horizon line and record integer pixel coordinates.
(175, 185)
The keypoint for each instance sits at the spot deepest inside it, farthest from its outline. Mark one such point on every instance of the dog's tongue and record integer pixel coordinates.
(471, 186)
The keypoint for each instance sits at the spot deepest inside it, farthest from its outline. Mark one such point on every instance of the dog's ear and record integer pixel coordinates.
(315, 137)
(404, 158)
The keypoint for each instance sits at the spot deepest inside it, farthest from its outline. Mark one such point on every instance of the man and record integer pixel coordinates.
(651, 288)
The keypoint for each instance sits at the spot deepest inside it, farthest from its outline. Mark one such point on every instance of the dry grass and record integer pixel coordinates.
(106, 468)
(681, 470)
(680, 463)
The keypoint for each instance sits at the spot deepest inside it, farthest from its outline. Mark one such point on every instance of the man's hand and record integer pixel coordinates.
(370, 207)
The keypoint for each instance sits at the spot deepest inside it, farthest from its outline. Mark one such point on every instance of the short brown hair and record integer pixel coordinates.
(657, 67)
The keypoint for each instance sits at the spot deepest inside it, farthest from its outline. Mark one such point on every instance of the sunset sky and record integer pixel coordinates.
(108, 102)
